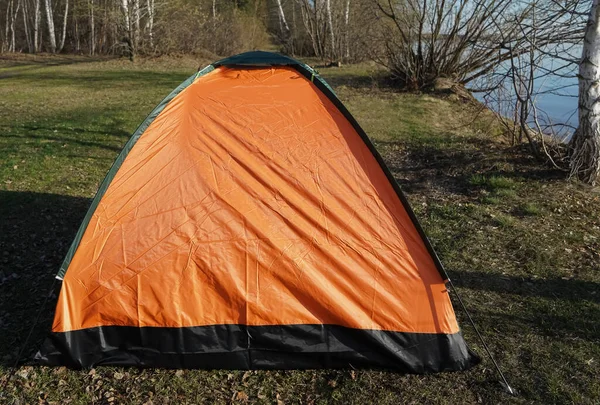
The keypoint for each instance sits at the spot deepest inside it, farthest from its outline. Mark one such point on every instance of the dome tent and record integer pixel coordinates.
(249, 223)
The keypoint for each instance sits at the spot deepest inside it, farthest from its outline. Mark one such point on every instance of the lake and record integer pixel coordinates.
(556, 98)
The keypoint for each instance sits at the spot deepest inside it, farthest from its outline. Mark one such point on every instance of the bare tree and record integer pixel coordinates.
(50, 25)
(137, 17)
(462, 40)
(347, 30)
(150, 20)
(537, 69)
(5, 43)
(585, 156)
(126, 17)
(330, 25)
(64, 27)
(9, 43)
(127, 26)
(13, 18)
(92, 27)
(326, 23)
(285, 28)
(25, 14)
(36, 26)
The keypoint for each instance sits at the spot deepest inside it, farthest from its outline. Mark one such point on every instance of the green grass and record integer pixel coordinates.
(520, 243)
(531, 208)
(494, 183)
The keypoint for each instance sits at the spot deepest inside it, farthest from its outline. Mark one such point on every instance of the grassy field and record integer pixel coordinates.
(521, 243)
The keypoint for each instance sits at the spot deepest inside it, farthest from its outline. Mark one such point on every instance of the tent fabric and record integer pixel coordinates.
(249, 223)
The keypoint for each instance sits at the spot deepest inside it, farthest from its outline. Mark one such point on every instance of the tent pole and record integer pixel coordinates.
(504, 382)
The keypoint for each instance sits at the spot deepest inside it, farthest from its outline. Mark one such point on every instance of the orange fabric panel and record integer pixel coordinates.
(252, 200)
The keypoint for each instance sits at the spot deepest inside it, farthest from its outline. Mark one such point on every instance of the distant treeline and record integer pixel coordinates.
(417, 40)
(323, 28)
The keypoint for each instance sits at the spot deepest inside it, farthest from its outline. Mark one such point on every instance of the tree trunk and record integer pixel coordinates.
(128, 40)
(12, 28)
(25, 13)
(306, 15)
(6, 44)
(136, 23)
(150, 22)
(214, 9)
(331, 34)
(347, 29)
(12, 15)
(77, 41)
(50, 18)
(585, 144)
(125, 8)
(64, 27)
(282, 21)
(92, 28)
(36, 27)
(317, 29)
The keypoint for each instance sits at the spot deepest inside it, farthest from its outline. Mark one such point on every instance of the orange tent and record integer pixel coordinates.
(250, 223)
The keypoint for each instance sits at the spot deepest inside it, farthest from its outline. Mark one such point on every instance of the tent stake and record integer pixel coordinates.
(504, 382)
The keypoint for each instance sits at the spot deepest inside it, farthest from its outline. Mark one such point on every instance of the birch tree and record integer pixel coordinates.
(125, 9)
(585, 144)
(282, 21)
(150, 21)
(5, 43)
(92, 27)
(25, 14)
(125, 27)
(13, 18)
(36, 26)
(64, 27)
(330, 24)
(136, 23)
(50, 25)
(347, 30)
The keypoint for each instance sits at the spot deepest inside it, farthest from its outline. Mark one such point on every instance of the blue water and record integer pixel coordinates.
(560, 102)
(556, 100)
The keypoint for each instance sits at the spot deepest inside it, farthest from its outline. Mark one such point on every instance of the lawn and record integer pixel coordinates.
(521, 243)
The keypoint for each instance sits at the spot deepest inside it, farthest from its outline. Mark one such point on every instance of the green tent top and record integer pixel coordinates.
(257, 58)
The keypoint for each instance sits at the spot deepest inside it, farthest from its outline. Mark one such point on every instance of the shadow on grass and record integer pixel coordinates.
(556, 307)
(64, 140)
(115, 128)
(15, 60)
(82, 129)
(451, 167)
(553, 288)
(352, 81)
(14, 67)
(98, 79)
(36, 231)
